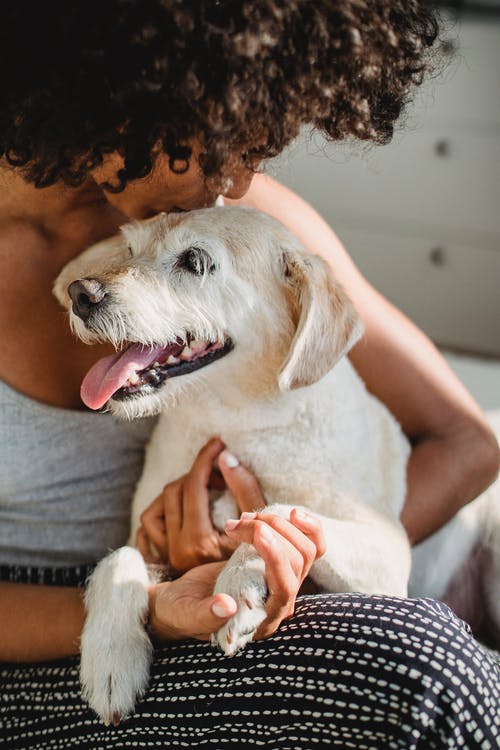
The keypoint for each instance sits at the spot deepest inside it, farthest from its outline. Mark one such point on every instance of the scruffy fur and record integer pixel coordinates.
(286, 400)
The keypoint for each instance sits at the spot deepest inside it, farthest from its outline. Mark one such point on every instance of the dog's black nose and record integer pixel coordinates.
(86, 295)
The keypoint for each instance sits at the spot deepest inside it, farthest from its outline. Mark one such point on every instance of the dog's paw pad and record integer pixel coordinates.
(241, 627)
(244, 579)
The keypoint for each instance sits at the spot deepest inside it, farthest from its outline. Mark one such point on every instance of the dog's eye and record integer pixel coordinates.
(195, 260)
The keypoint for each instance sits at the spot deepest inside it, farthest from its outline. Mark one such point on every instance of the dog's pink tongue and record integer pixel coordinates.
(111, 373)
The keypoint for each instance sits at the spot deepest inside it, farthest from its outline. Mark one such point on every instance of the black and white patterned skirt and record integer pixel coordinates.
(347, 671)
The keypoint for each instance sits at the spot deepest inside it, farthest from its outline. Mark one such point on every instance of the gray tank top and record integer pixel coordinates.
(66, 481)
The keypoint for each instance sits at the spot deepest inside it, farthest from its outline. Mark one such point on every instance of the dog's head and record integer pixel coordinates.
(219, 295)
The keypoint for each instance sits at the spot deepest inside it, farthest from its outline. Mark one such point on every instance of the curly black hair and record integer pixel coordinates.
(81, 79)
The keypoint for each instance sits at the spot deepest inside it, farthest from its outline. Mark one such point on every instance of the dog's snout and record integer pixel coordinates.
(86, 295)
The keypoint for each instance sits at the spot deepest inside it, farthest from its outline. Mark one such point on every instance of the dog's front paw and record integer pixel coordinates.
(115, 674)
(243, 578)
(115, 649)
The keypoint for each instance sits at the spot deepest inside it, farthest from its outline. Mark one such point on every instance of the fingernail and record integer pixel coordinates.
(229, 459)
(304, 518)
(302, 515)
(219, 610)
(247, 516)
(231, 524)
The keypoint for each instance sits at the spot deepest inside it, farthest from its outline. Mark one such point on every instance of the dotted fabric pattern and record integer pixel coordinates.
(347, 671)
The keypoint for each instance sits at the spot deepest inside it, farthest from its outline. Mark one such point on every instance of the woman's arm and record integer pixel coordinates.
(42, 623)
(455, 455)
(39, 623)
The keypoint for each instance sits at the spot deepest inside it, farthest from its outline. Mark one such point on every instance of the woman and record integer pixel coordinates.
(118, 113)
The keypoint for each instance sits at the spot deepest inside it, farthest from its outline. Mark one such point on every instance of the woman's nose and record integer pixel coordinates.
(239, 184)
(86, 295)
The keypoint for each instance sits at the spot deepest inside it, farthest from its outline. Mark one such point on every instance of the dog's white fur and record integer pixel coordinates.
(286, 400)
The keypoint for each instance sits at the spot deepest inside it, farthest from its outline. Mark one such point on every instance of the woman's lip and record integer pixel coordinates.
(149, 213)
(207, 203)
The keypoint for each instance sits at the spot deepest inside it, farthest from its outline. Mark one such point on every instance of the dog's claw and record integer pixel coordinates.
(240, 630)
(243, 579)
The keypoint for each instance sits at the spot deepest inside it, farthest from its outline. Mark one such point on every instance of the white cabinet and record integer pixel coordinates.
(421, 216)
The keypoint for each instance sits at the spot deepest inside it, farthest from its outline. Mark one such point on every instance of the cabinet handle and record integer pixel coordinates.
(437, 256)
(443, 148)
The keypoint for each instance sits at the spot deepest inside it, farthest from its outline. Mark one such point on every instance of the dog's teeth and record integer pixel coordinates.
(196, 345)
(154, 377)
(156, 364)
(133, 379)
(173, 360)
(186, 353)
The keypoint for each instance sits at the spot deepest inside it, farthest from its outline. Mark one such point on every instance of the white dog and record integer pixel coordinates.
(224, 323)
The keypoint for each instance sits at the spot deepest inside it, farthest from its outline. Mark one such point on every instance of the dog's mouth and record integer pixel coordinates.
(138, 370)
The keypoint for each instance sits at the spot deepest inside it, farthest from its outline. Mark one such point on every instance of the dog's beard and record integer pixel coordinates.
(147, 406)
(111, 329)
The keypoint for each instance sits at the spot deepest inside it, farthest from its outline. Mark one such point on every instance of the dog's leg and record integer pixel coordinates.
(243, 578)
(368, 553)
(115, 648)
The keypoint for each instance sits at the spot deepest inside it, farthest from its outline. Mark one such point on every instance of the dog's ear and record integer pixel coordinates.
(327, 322)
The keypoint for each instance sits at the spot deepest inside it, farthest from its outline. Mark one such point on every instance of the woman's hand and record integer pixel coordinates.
(289, 548)
(178, 522)
(187, 608)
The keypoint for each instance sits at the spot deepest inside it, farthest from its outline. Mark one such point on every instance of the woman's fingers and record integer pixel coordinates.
(284, 574)
(288, 548)
(173, 510)
(187, 608)
(198, 476)
(311, 527)
(143, 544)
(152, 512)
(211, 614)
(192, 618)
(195, 498)
(153, 527)
(242, 484)
(306, 541)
